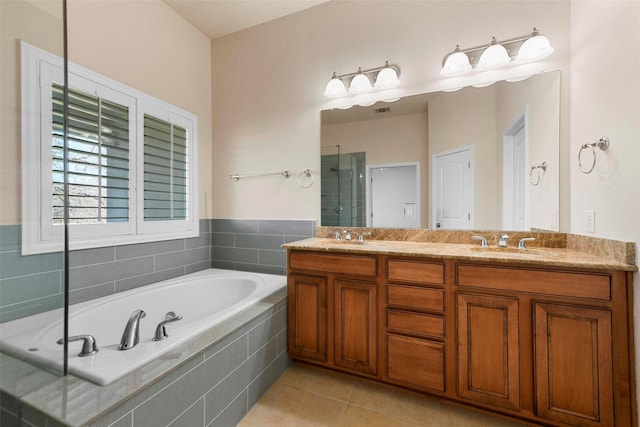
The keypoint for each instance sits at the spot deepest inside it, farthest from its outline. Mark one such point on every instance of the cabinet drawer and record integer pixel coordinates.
(415, 362)
(415, 271)
(561, 283)
(416, 323)
(415, 297)
(331, 263)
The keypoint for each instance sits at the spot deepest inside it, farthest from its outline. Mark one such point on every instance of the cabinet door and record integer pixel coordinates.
(307, 316)
(355, 326)
(488, 355)
(573, 365)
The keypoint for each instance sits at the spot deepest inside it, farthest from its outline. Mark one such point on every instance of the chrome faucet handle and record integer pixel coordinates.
(347, 235)
(161, 332)
(336, 234)
(502, 241)
(362, 235)
(89, 345)
(483, 241)
(521, 243)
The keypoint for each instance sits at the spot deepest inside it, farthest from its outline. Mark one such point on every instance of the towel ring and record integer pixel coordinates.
(535, 181)
(602, 143)
(307, 174)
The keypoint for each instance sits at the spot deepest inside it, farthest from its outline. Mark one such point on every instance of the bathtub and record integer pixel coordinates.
(203, 299)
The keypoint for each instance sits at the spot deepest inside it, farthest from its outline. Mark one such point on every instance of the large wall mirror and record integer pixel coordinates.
(477, 158)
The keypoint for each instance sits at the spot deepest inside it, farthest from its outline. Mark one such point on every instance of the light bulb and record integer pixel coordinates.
(387, 78)
(493, 57)
(456, 64)
(335, 88)
(360, 83)
(534, 48)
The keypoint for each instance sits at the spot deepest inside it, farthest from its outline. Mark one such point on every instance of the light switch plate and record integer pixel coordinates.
(590, 220)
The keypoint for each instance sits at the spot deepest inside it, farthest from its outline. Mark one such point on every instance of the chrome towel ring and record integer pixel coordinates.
(602, 143)
(309, 178)
(534, 179)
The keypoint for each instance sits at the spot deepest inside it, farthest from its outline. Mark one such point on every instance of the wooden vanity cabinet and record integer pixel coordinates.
(414, 330)
(332, 310)
(551, 345)
(545, 345)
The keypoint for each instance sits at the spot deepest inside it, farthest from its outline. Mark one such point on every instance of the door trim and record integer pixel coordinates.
(521, 120)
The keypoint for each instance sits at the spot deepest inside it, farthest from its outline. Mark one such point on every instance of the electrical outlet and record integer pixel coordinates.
(590, 220)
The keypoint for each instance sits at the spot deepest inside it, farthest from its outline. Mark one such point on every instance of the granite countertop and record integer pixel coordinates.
(559, 257)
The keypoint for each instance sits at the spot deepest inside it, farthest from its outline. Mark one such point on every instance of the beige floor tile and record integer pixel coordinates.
(455, 416)
(285, 405)
(355, 416)
(323, 382)
(396, 403)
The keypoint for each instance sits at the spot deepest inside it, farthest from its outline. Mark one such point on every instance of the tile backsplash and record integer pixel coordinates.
(33, 284)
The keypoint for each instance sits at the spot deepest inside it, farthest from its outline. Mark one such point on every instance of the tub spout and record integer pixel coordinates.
(131, 335)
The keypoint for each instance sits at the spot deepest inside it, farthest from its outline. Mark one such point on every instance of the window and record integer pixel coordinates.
(131, 161)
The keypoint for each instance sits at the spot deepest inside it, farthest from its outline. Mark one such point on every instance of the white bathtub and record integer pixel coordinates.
(203, 299)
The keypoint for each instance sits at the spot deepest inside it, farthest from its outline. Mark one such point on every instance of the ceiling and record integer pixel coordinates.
(217, 18)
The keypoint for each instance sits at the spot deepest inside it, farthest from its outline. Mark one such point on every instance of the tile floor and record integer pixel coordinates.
(305, 396)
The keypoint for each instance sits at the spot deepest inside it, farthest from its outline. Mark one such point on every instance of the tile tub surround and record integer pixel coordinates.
(254, 245)
(33, 284)
(613, 250)
(212, 380)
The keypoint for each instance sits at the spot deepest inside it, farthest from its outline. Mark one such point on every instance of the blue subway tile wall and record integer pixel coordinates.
(255, 245)
(34, 284)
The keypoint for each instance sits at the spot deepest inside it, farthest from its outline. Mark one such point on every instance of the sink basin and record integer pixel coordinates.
(509, 251)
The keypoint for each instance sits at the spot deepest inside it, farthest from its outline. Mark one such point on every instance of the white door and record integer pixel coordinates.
(451, 189)
(515, 188)
(394, 195)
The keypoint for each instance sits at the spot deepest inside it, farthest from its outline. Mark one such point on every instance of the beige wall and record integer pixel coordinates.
(605, 101)
(155, 51)
(40, 24)
(268, 83)
(398, 139)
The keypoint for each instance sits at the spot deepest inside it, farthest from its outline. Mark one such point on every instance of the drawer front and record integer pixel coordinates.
(331, 263)
(560, 283)
(415, 271)
(415, 362)
(415, 297)
(416, 324)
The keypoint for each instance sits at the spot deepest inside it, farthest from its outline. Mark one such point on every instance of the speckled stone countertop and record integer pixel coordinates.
(544, 256)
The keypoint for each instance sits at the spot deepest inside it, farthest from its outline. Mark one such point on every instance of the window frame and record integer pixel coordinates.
(39, 71)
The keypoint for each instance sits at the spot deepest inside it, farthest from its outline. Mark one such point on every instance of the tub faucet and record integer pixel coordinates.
(131, 335)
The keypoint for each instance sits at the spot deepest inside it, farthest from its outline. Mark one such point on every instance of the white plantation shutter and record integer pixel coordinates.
(165, 170)
(98, 159)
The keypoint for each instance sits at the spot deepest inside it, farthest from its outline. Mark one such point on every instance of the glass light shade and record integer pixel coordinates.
(456, 64)
(533, 49)
(335, 88)
(387, 78)
(360, 84)
(493, 57)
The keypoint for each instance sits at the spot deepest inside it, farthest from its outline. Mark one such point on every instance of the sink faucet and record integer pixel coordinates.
(502, 241)
(131, 335)
(347, 235)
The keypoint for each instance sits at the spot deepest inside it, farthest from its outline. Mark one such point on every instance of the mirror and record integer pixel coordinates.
(477, 158)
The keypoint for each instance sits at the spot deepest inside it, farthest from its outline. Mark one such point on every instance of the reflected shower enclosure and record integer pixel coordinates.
(343, 188)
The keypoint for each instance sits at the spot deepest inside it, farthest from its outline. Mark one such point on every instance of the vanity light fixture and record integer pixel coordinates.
(385, 77)
(520, 50)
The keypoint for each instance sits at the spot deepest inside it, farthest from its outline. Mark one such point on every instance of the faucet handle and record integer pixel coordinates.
(161, 332)
(483, 241)
(89, 345)
(521, 243)
(362, 235)
(336, 234)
